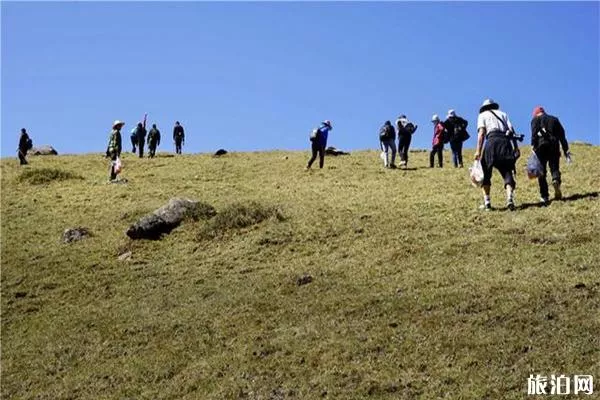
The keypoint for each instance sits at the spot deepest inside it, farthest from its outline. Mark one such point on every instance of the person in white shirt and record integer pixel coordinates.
(500, 151)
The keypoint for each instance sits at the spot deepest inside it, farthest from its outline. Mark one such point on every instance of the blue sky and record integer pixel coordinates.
(257, 76)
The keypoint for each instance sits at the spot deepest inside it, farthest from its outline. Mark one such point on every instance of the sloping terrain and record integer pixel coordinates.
(415, 292)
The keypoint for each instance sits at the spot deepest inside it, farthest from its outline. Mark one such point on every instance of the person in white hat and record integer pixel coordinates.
(457, 129)
(113, 151)
(405, 130)
(319, 143)
(500, 151)
(438, 142)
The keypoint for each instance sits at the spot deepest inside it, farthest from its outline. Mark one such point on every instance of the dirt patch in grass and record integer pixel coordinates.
(40, 176)
(237, 216)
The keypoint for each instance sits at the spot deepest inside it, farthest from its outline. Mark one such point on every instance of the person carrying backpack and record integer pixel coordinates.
(25, 144)
(113, 150)
(387, 139)
(140, 133)
(134, 140)
(178, 137)
(437, 142)
(457, 131)
(153, 140)
(405, 130)
(547, 136)
(501, 151)
(318, 140)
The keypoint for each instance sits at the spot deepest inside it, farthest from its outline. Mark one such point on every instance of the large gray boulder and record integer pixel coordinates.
(45, 150)
(168, 217)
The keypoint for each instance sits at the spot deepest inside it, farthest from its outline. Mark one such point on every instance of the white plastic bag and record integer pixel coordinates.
(118, 165)
(476, 173)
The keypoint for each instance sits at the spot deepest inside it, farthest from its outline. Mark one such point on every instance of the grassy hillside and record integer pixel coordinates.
(416, 294)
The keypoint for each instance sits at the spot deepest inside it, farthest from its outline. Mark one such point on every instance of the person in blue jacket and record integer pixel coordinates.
(319, 143)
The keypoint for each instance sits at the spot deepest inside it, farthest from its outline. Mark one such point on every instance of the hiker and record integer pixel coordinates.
(153, 140)
(405, 130)
(25, 145)
(457, 130)
(140, 133)
(178, 137)
(437, 142)
(134, 139)
(319, 142)
(113, 151)
(547, 136)
(500, 151)
(387, 139)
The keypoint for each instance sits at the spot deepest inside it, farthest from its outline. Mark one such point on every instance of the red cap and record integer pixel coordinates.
(538, 110)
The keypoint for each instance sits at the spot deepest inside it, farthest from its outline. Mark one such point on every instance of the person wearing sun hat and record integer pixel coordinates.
(319, 143)
(457, 128)
(114, 147)
(547, 136)
(500, 151)
(437, 144)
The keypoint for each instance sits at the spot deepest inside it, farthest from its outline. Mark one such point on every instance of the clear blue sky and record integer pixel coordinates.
(256, 76)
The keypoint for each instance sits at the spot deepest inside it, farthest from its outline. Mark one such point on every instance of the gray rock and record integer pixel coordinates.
(304, 280)
(332, 151)
(75, 234)
(168, 217)
(125, 256)
(45, 150)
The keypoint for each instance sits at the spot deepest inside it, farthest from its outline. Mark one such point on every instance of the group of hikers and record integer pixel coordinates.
(497, 146)
(138, 138)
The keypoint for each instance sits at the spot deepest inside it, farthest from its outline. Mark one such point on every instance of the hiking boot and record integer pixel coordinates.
(510, 205)
(393, 166)
(544, 201)
(557, 191)
(486, 206)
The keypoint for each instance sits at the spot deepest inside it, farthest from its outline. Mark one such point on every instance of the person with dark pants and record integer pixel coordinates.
(501, 151)
(134, 140)
(319, 143)
(438, 142)
(24, 146)
(405, 130)
(140, 133)
(178, 137)
(547, 136)
(153, 141)
(113, 151)
(457, 129)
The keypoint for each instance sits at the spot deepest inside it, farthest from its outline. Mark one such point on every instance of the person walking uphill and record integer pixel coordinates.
(457, 129)
(547, 136)
(437, 142)
(113, 151)
(25, 145)
(500, 150)
(140, 133)
(319, 142)
(153, 140)
(387, 138)
(178, 137)
(405, 130)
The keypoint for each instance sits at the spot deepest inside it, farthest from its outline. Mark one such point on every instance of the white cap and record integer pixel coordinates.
(435, 118)
(451, 113)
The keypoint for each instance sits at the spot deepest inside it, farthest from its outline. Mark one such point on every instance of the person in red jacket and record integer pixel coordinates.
(438, 141)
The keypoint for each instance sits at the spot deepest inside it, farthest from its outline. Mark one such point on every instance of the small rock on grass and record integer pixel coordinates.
(304, 280)
(125, 256)
(75, 234)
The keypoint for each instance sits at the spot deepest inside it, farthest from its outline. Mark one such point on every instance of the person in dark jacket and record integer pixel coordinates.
(501, 151)
(437, 144)
(178, 137)
(153, 140)
(24, 146)
(134, 140)
(547, 136)
(405, 130)
(387, 138)
(319, 143)
(457, 129)
(113, 149)
(140, 133)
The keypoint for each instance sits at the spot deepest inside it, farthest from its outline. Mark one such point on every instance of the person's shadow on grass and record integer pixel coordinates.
(573, 197)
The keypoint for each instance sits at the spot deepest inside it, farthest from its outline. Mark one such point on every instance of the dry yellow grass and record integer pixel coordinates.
(415, 293)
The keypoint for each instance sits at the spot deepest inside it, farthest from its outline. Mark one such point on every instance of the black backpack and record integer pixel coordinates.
(29, 144)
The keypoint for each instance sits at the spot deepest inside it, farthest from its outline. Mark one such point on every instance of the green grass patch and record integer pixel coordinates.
(40, 176)
(237, 216)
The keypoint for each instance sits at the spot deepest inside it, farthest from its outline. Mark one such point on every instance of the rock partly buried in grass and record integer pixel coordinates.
(125, 256)
(237, 216)
(39, 176)
(220, 152)
(332, 151)
(45, 150)
(304, 280)
(168, 217)
(75, 234)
